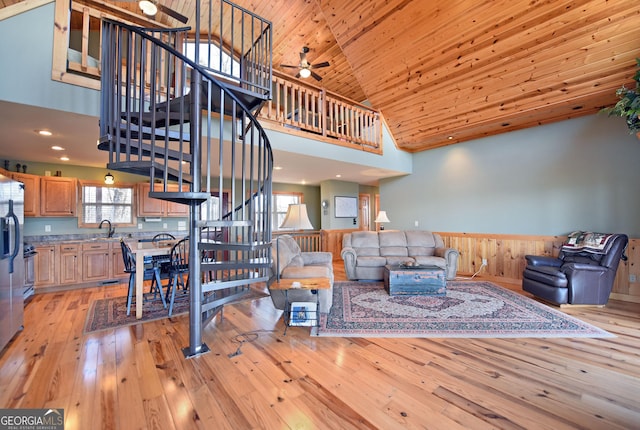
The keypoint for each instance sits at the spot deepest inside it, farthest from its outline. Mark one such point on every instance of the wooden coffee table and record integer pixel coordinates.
(417, 280)
(292, 284)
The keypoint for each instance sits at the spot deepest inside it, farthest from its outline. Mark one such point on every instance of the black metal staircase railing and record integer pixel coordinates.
(170, 118)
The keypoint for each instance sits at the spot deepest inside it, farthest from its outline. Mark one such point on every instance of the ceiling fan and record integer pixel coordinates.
(304, 68)
(152, 7)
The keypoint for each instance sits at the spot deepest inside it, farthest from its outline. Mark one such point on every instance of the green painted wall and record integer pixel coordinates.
(580, 174)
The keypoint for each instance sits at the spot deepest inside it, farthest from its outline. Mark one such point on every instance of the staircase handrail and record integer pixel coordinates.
(202, 70)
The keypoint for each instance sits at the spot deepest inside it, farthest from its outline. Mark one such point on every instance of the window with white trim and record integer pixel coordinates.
(99, 202)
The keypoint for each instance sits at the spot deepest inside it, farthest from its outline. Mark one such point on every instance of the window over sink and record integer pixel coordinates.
(99, 201)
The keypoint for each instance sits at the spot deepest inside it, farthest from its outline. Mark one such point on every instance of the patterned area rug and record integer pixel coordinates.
(469, 310)
(111, 313)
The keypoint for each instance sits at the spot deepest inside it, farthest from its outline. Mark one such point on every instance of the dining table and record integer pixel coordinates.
(142, 250)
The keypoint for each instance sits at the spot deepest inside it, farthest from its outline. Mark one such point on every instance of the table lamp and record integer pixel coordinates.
(381, 218)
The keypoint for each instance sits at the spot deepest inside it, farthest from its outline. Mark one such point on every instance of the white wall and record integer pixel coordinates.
(580, 174)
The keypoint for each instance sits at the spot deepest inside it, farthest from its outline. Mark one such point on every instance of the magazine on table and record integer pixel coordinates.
(303, 314)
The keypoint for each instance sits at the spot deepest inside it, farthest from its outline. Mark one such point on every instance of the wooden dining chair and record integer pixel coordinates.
(152, 274)
(178, 269)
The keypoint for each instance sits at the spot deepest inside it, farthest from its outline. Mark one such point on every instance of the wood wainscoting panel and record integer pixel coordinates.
(505, 257)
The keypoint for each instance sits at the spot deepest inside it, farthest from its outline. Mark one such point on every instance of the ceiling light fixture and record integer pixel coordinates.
(109, 179)
(44, 133)
(64, 158)
(148, 7)
(305, 73)
(57, 148)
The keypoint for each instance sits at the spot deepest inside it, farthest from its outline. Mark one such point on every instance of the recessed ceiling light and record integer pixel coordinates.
(450, 137)
(64, 158)
(57, 148)
(338, 176)
(277, 168)
(44, 133)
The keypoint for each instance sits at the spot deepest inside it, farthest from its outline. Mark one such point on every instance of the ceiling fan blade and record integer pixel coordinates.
(319, 65)
(298, 75)
(172, 13)
(290, 66)
(316, 76)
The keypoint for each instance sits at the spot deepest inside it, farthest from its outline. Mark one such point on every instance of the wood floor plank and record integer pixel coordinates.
(137, 377)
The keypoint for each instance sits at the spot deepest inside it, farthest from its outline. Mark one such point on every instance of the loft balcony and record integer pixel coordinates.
(295, 107)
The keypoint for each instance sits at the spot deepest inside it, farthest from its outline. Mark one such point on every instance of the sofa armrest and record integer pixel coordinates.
(451, 257)
(350, 258)
(317, 258)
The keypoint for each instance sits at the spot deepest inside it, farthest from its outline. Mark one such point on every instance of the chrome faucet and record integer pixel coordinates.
(112, 229)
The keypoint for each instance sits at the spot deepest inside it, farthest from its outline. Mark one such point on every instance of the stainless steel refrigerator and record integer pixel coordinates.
(11, 258)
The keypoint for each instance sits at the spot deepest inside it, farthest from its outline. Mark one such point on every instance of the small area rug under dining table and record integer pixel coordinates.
(111, 312)
(470, 309)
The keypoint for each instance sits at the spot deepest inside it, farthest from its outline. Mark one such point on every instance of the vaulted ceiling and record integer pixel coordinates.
(446, 71)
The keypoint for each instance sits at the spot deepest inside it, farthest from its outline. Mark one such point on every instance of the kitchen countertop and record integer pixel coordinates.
(102, 237)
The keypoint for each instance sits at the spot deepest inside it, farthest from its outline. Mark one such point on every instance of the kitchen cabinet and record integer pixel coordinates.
(31, 192)
(117, 261)
(96, 261)
(45, 266)
(148, 206)
(70, 269)
(58, 196)
(80, 264)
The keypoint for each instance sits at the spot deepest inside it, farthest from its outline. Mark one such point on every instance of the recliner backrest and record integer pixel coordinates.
(610, 258)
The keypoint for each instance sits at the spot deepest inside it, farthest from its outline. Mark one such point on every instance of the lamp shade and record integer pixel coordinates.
(382, 217)
(297, 218)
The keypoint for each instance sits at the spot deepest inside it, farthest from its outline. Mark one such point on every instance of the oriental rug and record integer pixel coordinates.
(110, 313)
(469, 310)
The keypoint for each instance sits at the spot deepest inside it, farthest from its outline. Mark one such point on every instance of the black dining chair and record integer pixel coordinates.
(162, 237)
(162, 261)
(152, 274)
(178, 269)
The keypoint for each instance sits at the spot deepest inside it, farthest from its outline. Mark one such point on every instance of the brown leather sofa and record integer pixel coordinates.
(582, 276)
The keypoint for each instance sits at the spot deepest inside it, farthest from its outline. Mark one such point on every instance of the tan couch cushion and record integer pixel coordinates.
(420, 243)
(365, 243)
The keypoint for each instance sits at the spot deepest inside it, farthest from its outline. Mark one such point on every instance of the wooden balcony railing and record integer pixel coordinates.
(295, 105)
(299, 106)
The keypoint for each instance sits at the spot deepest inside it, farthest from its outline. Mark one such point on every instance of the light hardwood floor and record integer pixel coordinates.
(136, 377)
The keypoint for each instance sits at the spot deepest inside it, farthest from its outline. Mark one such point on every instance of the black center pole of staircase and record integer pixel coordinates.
(196, 347)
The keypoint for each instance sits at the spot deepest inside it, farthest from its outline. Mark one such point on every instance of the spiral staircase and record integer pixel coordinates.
(192, 122)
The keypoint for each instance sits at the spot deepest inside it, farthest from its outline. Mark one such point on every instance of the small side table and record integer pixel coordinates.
(312, 284)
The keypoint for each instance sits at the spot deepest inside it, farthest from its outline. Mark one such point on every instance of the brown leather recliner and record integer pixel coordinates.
(582, 277)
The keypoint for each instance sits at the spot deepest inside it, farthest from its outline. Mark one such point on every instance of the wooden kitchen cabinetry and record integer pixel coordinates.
(45, 266)
(31, 192)
(81, 264)
(70, 269)
(117, 261)
(58, 196)
(96, 261)
(148, 206)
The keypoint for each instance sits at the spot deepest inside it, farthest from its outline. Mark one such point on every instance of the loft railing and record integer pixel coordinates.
(295, 106)
(298, 106)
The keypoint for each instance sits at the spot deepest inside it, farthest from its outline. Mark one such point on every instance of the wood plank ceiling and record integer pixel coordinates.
(447, 71)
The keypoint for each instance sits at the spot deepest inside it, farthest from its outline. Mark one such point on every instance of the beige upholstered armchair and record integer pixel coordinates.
(289, 262)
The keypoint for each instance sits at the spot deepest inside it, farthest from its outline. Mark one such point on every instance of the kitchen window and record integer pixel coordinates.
(99, 202)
